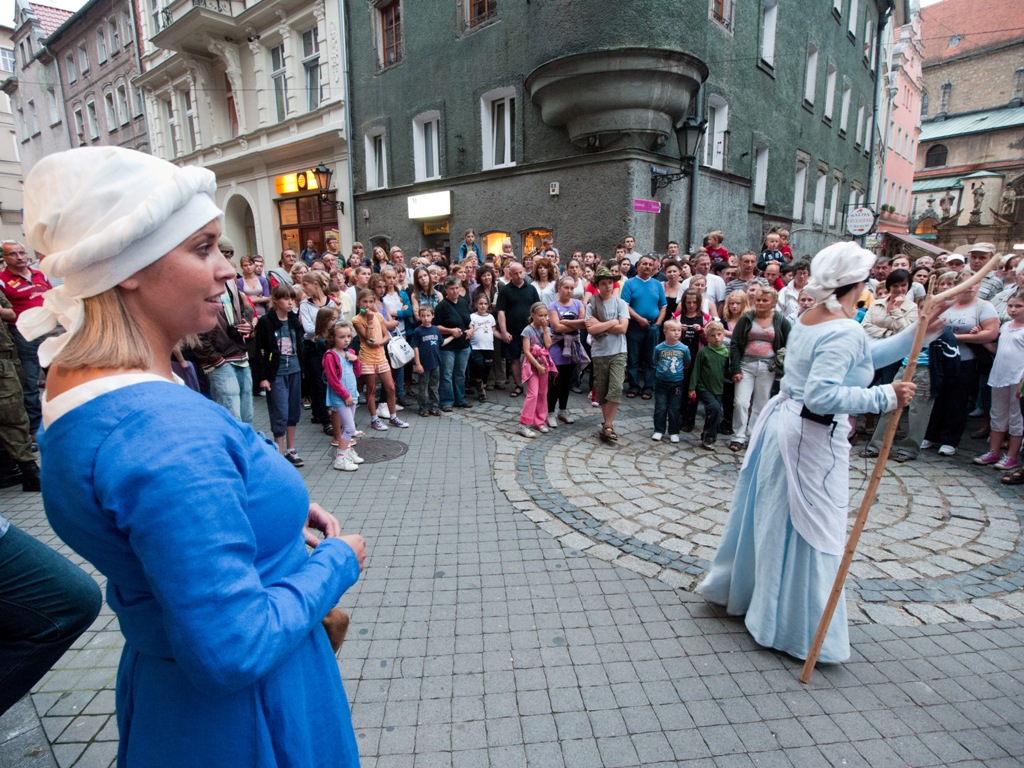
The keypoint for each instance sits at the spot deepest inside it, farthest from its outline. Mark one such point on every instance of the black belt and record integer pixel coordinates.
(817, 418)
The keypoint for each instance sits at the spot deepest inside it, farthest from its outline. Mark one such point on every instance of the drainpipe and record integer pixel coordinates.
(346, 78)
(692, 213)
(883, 18)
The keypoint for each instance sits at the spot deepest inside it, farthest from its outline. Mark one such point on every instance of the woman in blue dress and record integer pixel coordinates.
(786, 531)
(197, 522)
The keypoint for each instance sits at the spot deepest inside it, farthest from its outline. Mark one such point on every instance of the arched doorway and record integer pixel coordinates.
(240, 226)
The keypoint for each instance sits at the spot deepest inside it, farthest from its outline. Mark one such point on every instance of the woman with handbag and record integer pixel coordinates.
(225, 660)
(975, 325)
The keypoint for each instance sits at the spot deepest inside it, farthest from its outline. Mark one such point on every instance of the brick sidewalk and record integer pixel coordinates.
(485, 634)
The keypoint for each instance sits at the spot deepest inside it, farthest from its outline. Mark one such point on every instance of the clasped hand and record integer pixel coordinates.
(319, 519)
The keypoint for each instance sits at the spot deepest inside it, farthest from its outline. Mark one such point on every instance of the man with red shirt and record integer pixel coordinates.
(24, 288)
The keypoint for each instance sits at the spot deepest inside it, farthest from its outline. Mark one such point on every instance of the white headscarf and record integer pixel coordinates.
(98, 215)
(835, 266)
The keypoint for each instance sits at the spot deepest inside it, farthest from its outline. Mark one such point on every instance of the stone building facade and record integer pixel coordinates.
(254, 92)
(465, 117)
(969, 177)
(10, 148)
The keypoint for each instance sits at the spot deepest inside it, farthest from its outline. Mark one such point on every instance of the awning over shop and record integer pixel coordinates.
(914, 242)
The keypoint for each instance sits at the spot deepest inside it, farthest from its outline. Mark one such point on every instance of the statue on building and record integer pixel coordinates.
(978, 190)
(1007, 202)
(945, 204)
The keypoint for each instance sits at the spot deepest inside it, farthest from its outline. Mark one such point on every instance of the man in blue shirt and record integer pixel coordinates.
(645, 298)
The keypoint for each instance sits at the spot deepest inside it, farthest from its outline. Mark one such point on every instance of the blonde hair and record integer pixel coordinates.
(744, 302)
(109, 338)
(714, 325)
(765, 290)
(671, 323)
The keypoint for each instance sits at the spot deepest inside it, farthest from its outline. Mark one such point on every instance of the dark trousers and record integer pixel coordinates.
(728, 401)
(688, 409)
(46, 602)
(480, 361)
(316, 388)
(284, 403)
(949, 414)
(668, 397)
(713, 411)
(28, 353)
(558, 392)
(427, 390)
(640, 344)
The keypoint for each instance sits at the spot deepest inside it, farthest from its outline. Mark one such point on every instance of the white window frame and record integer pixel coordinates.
(376, 160)
(191, 133)
(717, 133)
(79, 123)
(852, 24)
(279, 80)
(70, 69)
(830, 91)
(833, 206)
(761, 155)
(489, 130)
(33, 117)
(138, 102)
(837, 6)
(811, 76)
(869, 42)
(426, 129)
(311, 69)
(129, 29)
(101, 45)
(7, 60)
(115, 36)
(844, 107)
(110, 110)
(83, 59)
(769, 22)
(800, 189)
(53, 106)
(820, 187)
(172, 126)
(123, 108)
(91, 120)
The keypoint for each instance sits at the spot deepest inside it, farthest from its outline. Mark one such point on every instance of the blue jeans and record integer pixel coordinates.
(713, 410)
(46, 602)
(284, 402)
(28, 353)
(453, 377)
(231, 386)
(640, 344)
(668, 397)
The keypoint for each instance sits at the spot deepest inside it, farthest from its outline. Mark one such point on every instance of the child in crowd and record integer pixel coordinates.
(710, 371)
(278, 335)
(481, 344)
(342, 369)
(671, 359)
(787, 252)
(771, 251)
(373, 339)
(1005, 379)
(537, 365)
(425, 340)
(715, 248)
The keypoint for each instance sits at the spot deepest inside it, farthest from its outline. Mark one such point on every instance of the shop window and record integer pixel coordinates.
(491, 242)
(533, 239)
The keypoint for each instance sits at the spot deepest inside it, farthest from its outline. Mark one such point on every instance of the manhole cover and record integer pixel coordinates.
(378, 449)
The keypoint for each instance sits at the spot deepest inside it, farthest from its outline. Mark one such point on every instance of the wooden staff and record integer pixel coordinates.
(933, 304)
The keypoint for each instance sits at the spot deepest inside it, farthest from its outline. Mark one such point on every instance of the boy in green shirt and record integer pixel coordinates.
(710, 369)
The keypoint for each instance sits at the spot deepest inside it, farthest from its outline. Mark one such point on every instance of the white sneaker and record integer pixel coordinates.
(382, 411)
(947, 450)
(926, 444)
(525, 431)
(399, 407)
(976, 413)
(354, 457)
(673, 438)
(543, 430)
(343, 463)
(552, 421)
(394, 421)
(656, 437)
(565, 418)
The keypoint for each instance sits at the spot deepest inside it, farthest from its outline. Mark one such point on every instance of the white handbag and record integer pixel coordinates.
(399, 352)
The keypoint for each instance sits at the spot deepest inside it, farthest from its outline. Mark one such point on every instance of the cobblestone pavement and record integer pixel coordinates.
(529, 603)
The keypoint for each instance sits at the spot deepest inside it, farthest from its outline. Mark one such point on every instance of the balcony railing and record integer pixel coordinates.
(220, 6)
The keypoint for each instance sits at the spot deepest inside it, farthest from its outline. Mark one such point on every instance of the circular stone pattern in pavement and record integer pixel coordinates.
(942, 541)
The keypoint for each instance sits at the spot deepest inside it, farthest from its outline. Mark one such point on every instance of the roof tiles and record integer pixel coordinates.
(955, 28)
(50, 18)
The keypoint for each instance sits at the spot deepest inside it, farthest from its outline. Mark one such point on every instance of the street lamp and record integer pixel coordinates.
(323, 176)
(688, 136)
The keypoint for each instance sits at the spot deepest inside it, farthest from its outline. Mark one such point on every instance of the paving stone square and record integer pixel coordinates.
(529, 602)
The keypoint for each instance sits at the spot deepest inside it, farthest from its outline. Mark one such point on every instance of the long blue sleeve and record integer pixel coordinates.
(839, 355)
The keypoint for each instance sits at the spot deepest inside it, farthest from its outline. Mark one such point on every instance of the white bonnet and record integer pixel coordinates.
(837, 265)
(99, 215)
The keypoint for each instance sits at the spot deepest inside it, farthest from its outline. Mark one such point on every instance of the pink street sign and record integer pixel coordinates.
(646, 206)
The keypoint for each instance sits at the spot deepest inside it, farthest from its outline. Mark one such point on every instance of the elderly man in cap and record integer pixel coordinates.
(979, 254)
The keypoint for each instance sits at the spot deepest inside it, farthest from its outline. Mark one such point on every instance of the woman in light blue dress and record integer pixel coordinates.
(784, 538)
